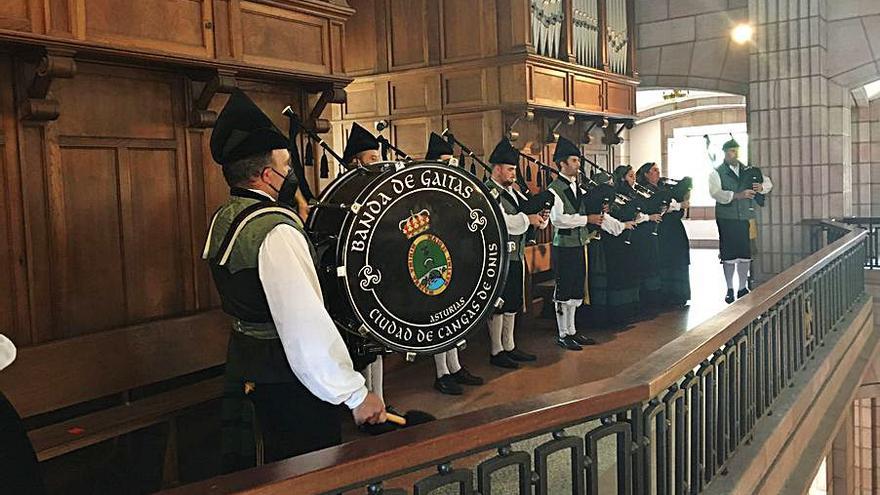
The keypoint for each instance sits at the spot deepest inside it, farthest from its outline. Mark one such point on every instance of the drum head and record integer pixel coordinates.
(423, 258)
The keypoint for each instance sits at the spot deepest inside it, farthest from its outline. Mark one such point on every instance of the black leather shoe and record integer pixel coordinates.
(464, 377)
(447, 384)
(518, 355)
(582, 339)
(502, 360)
(729, 297)
(742, 293)
(568, 343)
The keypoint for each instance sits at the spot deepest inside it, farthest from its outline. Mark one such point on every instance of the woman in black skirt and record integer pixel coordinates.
(675, 257)
(646, 237)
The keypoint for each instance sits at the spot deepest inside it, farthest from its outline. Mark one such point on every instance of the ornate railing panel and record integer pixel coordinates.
(668, 425)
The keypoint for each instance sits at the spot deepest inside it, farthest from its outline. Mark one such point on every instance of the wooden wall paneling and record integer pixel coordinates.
(419, 93)
(513, 83)
(586, 93)
(467, 29)
(198, 159)
(514, 26)
(411, 135)
(337, 53)
(59, 17)
(14, 306)
(283, 38)
(225, 16)
(41, 266)
(366, 99)
(362, 37)
(547, 86)
(468, 88)
(88, 215)
(408, 34)
(22, 15)
(620, 98)
(185, 24)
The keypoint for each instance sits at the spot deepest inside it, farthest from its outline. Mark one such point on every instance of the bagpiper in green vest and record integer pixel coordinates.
(578, 236)
(737, 209)
(232, 249)
(511, 208)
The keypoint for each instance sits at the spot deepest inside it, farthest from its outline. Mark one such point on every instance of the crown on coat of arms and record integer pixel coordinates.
(416, 224)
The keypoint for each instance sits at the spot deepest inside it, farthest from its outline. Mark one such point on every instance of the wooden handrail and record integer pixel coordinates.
(403, 451)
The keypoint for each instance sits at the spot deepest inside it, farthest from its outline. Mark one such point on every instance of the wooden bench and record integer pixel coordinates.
(57, 377)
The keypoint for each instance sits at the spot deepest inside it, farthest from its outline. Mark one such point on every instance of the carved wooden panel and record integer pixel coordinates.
(366, 99)
(414, 94)
(137, 24)
(472, 130)
(283, 38)
(361, 44)
(60, 20)
(547, 86)
(87, 234)
(117, 245)
(412, 135)
(464, 88)
(620, 98)
(224, 37)
(586, 93)
(408, 33)
(17, 14)
(464, 35)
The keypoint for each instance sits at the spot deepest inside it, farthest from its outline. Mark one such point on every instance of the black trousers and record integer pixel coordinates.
(293, 421)
(19, 471)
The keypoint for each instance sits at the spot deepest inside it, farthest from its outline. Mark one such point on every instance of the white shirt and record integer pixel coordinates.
(723, 196)
(7, 352)
(314, 349)
(562, 220)
(518, 223)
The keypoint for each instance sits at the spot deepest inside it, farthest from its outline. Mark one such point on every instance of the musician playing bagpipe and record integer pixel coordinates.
(674, 260)
(577, 215)
(505, 160)
(613, 279)
(646, 236)
(285, 353)
(451, 375)
(738, 190)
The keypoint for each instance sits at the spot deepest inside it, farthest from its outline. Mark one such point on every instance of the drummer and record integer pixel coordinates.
(504, 160)
(285, 353)
(451, 375)
(362, 149)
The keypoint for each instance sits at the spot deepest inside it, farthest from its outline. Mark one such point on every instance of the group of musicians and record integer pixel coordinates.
(619, 246)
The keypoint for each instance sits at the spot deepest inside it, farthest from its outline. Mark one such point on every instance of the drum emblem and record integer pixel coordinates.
(428, 259)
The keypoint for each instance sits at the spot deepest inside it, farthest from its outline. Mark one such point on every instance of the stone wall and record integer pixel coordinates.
(866, 159)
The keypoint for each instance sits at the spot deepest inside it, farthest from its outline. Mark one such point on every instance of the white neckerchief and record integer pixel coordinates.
(7, 351)
(509, 190)
(734, 169)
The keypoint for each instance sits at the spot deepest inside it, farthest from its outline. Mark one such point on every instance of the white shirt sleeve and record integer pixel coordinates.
(7, 351)
(673, 206)
(642, 218)
(516, 224)
(720, 195)
(612, 225)
(768, 185)
(314, 349)
(562, 220)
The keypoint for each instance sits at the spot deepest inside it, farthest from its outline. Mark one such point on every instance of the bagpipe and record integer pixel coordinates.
(755, 176)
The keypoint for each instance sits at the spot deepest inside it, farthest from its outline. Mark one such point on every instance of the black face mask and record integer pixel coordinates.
(287, 193)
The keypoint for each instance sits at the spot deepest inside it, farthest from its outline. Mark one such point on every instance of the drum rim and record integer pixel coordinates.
(345, 232)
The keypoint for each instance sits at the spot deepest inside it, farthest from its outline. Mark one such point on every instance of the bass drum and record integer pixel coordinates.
(412, 257)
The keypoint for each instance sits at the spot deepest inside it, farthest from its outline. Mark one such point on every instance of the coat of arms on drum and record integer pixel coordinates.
(430, 265)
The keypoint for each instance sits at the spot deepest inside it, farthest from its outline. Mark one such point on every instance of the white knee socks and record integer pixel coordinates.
(729, 267)
(496, 321)
(507, 331)
(742, 273)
